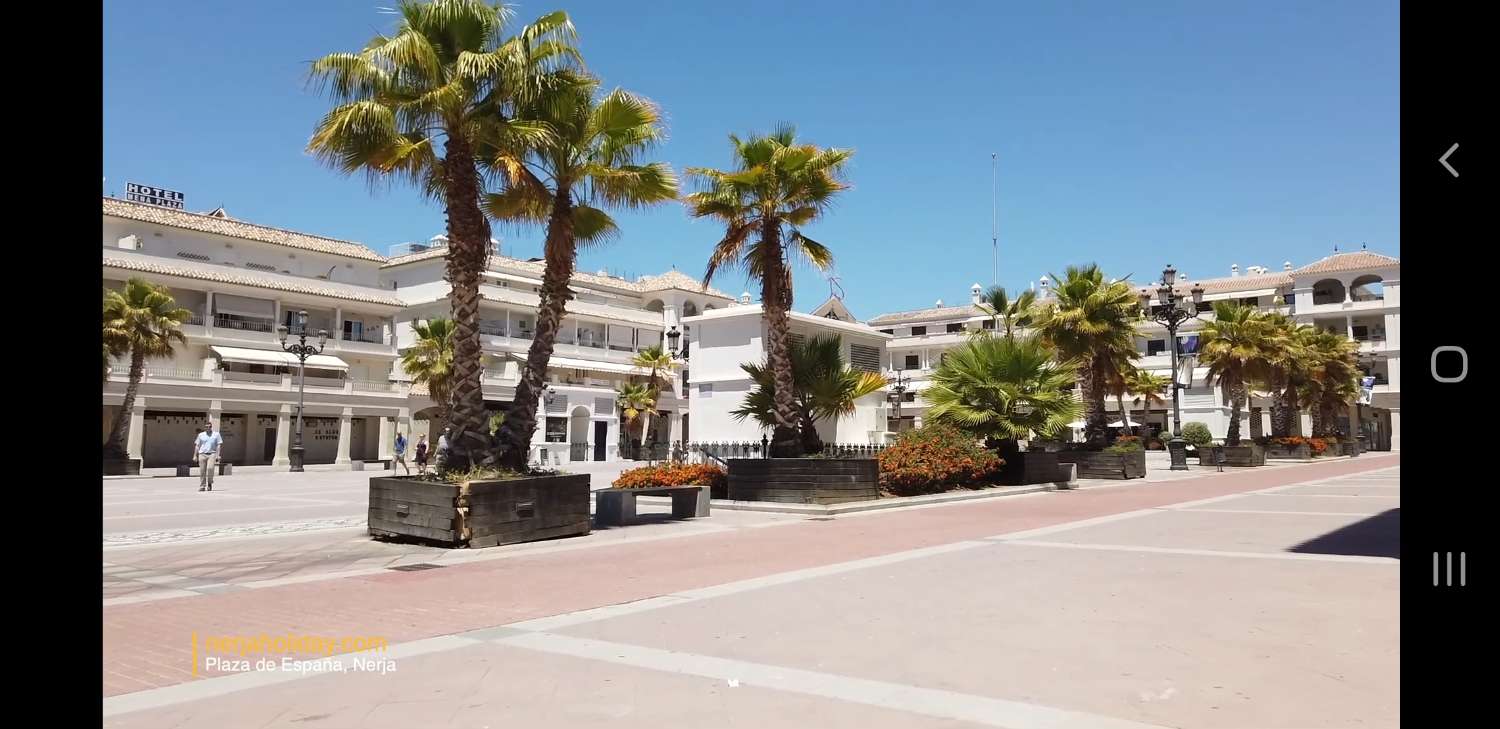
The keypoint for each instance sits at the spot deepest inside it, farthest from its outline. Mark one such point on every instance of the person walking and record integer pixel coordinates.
(422, 454)
(400, 454)
(206, 451)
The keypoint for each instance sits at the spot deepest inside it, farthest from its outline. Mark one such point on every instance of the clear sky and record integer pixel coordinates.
(1132, 134)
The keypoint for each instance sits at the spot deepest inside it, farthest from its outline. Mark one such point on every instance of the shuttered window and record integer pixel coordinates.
(864, 357)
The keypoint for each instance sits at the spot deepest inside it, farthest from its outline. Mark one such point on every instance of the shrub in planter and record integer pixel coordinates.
(1197, 434)
(1126, 444)
(673, 474)
(934, 458)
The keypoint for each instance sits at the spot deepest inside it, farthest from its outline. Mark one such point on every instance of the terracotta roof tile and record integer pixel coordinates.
(930, 314)
(236, 229)
(1349, 262)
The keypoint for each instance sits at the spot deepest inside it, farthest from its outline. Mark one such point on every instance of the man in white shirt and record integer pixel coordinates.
(206, 452)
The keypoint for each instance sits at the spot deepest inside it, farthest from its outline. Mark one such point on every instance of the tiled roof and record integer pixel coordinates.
(128, 261)
(1230, 284)
(939, 312)
(1349, 262)
(675, 279)
(236, 229)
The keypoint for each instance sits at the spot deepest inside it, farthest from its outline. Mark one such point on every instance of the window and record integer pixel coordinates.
(908, 397)
(684, 383)
(1205, 306)
(557, 430)
(1156, 346)
(918, 331)
(705, 389)
(955, 327)
(1361, 332)
(913, 362)
(888, 331)
(988, 324)
(1252, 301)
(864, 357)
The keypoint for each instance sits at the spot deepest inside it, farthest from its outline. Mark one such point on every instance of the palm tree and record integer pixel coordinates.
(1232, 347)
(1286, 359)
(590, 160)
(1147, 388)
(141, 321)
(823, 387)
(1007, 313)
(1004, 388)
(1333, 381)
(1092, 321)
(423, 106)
(776, 187)
(657, 363)
(430, 361)
(634, 398)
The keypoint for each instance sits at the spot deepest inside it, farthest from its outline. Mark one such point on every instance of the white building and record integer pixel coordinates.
(242, 280)
(1356, 293)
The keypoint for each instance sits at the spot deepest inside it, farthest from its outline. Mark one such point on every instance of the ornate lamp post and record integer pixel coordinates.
(1175, 309)
(673, 337)
(898, 390)
(301, 350)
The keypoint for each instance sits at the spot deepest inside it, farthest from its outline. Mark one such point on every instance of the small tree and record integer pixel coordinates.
(1003, 388)
(1197, 434)
(822, 388)
(141, 321)
(429, 361)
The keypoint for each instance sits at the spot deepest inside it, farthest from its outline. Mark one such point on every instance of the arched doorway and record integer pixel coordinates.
(578, 434)
(1368, 287)
(1328, 291)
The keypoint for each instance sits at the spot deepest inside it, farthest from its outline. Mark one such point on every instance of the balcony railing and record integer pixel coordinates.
(195, 319)
(168, 373)
(333, 382)
(244, 323)
(264, 378)
(374, 386)
(370, 337)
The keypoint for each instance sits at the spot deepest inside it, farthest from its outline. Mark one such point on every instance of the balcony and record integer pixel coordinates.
(330, 383)
(369, 336)
(374, 386)
(257, 378)
(244, 323)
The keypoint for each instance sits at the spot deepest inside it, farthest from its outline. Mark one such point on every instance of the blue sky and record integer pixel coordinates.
(1132, 134)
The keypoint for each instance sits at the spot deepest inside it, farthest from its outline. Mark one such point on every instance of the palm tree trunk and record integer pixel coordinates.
(1281, 412)
(1124, 411)
(115, 449)
(811, 441)
(560, 256)
(777, 301)
(467, 257)
(1095, 419)
(1236, 406)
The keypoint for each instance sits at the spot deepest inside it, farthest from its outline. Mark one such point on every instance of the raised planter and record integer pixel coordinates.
(1028, 467)
(1101, 464)
(804, 480)
(122, 467)
(482, 513)
(1243, 455)
(1277, 452)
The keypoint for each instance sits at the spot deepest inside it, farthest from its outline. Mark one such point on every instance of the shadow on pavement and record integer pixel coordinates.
(1377, 536)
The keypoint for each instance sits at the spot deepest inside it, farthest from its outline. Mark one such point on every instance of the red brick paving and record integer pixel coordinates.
(149, 645)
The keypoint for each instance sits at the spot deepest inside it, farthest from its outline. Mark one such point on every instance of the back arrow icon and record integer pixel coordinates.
(1443, 160)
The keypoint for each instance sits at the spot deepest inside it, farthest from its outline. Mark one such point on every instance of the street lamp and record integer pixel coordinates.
(898, 390)
(1175, 309)
(301, 350)
(673, 337)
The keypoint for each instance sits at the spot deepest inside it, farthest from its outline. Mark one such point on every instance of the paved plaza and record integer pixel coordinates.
(1264, 597)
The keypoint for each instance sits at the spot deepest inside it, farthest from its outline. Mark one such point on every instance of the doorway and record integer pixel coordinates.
(601, 433)
(268, 445)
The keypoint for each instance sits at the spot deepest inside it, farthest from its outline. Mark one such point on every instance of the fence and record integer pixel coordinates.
(718, 451)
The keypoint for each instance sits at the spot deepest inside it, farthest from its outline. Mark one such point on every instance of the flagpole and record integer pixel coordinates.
(995, 212)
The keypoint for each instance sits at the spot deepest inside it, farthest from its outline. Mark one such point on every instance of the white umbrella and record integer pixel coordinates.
(1078, 424)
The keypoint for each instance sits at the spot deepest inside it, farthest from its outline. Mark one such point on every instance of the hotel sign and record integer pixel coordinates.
(136, 192)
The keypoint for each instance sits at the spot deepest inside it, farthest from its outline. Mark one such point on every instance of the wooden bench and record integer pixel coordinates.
(616, 507)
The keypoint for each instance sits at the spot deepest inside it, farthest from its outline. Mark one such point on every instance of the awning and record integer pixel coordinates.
(568, 363)
(1256, 293)
(281, 359)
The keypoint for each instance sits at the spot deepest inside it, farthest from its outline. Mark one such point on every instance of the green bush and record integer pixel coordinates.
(1197, 434)
(1126, 444)
(934, 458)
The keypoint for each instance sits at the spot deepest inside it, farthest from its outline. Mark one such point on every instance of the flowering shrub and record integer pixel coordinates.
(1126, 444)
(673, 474)
(1316, 445)
(934, 458)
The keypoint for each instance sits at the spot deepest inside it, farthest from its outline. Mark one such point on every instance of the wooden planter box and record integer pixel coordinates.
(1030, 467)
(1286, 452)
(1242, 455)
(1098, 464)
(804, 480)
(123, 467)
(484, 513)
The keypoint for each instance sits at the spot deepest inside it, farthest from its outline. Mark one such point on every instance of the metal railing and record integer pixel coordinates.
(246, 324)
(368, 337)
(719, 451)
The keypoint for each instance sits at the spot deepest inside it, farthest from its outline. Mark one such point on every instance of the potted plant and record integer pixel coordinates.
(1197, 436)
(1124, 459)
(480, 507)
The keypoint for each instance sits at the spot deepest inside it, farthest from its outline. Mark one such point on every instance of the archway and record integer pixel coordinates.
(689, 309)
(1328, 291)
(1368, 287)
(578, 434)
(655, 305)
